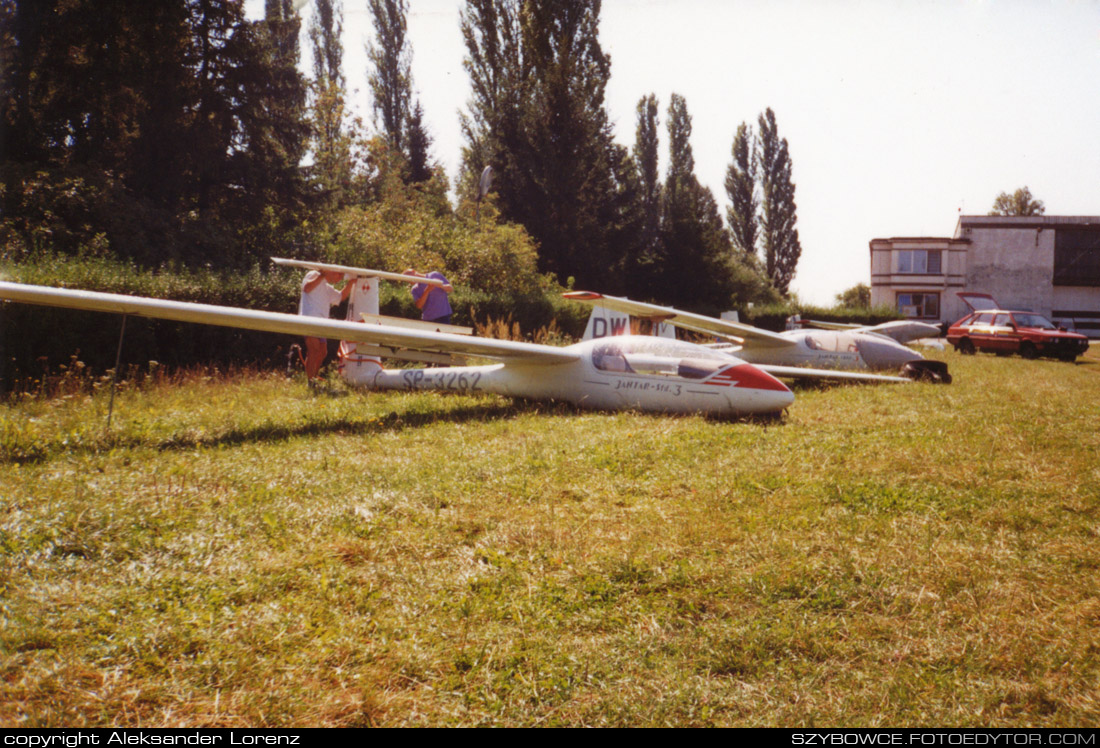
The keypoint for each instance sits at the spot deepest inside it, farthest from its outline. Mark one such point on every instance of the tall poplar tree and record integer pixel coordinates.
(398, 118)
(778, 210)
(499, 87)
(741, 177)
(331, 144)
(646, 144)
(538, 76)
(696, 268)
(390, 76)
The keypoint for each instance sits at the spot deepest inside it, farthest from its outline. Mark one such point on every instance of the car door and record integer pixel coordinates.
(1004, 338)
(981, 332)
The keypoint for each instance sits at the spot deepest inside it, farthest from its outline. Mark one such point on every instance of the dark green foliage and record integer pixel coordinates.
(178, 124)
(537, 116)
(419, 147)
(779, 212)
(696, 269)
(741, 177)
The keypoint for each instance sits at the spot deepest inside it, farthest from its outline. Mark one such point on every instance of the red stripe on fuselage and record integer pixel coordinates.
(747, 376)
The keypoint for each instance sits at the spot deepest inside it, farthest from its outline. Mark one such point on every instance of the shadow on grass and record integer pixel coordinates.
(40, 452)
(276, 432)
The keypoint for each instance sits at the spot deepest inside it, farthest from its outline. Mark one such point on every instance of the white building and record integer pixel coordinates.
(1045, 264)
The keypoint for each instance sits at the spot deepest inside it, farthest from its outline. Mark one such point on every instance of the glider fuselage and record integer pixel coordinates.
(830, 349)
(625, 372)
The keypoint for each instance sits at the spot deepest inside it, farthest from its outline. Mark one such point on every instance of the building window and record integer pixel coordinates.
(919, 261)
(919, 305)
(1077, 257)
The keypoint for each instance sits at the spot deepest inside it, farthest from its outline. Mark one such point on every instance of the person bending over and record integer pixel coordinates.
(318, 298)
(432, 300)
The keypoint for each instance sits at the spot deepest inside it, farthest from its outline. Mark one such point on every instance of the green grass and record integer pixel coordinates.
(238, 551)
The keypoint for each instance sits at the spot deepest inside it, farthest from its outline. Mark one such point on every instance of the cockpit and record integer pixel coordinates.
(838, 342)
(658, 357)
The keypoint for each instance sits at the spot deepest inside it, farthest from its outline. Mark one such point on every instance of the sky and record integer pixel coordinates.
(899, 116)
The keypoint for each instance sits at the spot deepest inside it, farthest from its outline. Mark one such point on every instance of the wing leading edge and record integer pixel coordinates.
(292, 324)
(356, 272)
(799, 372)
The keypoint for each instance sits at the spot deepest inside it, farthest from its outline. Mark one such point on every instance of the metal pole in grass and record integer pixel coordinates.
(114, 380)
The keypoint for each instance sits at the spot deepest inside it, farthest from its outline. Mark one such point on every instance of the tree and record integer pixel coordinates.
(695, 269)
(499, 81)
(390, 77)
(741, 178)
(536, 115)
(778, 210)
(419, 145)
(170, 129)
(856, 297)
(399, 119)
(646, 145)
(1019, 203)
(331, 144)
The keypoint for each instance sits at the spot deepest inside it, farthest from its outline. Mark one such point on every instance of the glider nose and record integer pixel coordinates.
(884, 354)
(769, 394)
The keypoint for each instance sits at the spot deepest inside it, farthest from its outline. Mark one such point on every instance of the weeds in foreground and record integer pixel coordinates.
(507, 329)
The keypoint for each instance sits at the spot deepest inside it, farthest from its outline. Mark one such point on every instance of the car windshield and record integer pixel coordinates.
(1034, 320)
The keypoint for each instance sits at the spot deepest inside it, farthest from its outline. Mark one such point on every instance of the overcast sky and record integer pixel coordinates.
(898, 115)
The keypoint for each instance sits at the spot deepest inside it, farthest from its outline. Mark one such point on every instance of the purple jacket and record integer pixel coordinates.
(437, 305)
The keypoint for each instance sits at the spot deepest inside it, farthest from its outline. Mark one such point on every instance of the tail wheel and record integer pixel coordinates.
(965, 346)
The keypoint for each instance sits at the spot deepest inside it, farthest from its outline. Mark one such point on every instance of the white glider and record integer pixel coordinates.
(902, 330)
(835, 354)
(627, 372)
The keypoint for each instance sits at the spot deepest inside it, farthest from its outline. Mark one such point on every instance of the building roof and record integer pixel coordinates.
(939, 240)
(1026, 222)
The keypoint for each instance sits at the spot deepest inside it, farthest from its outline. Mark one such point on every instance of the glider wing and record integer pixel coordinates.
(357, 272)
(385, 336)
(747, 335)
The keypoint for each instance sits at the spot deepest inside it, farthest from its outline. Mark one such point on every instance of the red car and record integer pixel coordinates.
(1002, 331)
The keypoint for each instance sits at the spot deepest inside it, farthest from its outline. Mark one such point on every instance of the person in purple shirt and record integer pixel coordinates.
(432, 300)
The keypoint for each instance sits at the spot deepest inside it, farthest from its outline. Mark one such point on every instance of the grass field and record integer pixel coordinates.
(239, 551)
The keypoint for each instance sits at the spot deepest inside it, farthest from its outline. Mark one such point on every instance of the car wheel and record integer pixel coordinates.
(965, 346)
(1028, 350)
(1068, 357)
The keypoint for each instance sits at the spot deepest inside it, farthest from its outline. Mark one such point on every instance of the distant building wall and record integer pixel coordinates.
(1011, 261)
(919, 275)
(1046, 264)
